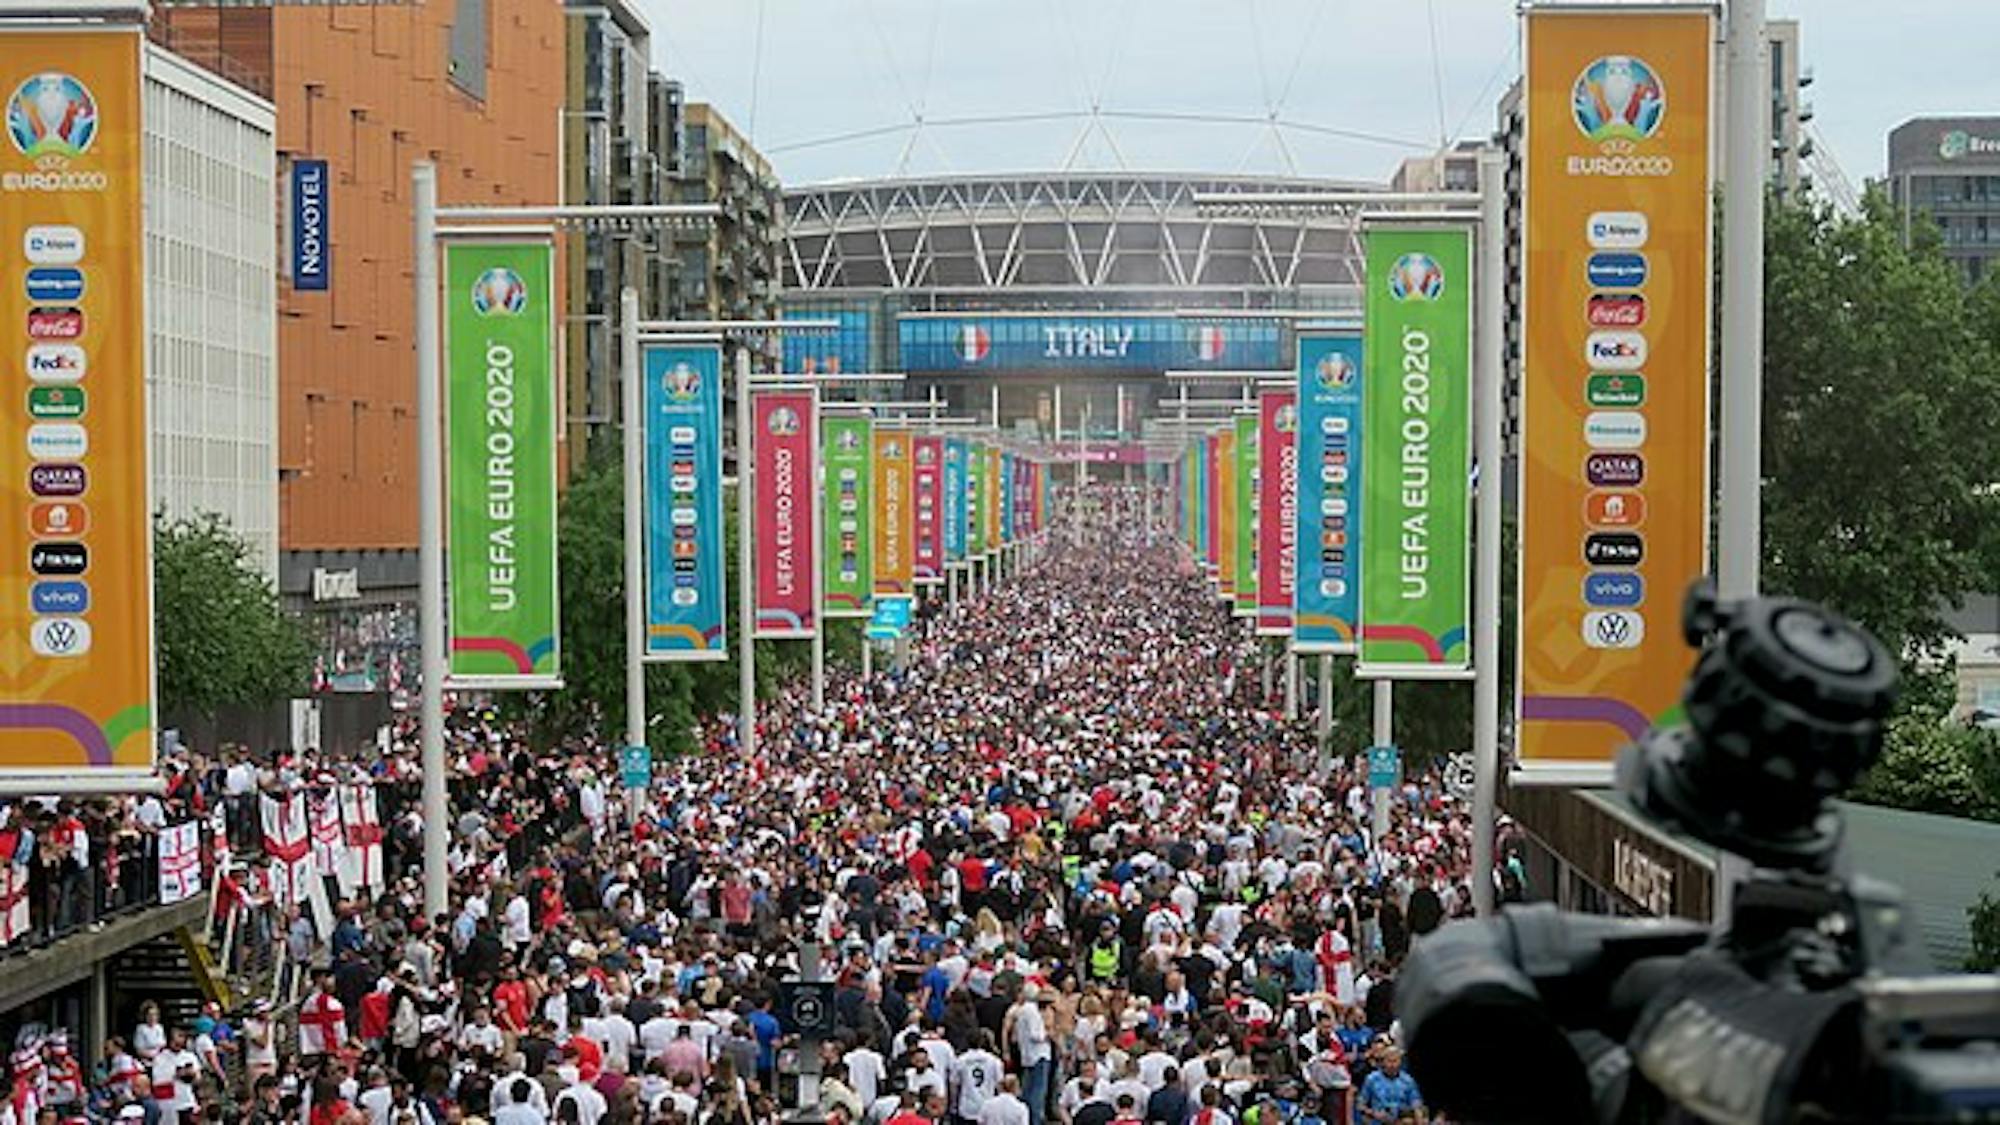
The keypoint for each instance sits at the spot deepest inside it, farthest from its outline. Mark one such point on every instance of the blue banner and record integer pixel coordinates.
(685, 613)
(829, 352)
(1102, 343)
(1201, 488)
(1326, 598)
(310, 268)
(954, 500)
(1006, 498)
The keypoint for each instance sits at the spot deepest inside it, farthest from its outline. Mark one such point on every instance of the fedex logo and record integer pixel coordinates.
(56, 363)
(1615, 351)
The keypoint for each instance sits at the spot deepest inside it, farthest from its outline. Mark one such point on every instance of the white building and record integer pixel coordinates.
(211, 299)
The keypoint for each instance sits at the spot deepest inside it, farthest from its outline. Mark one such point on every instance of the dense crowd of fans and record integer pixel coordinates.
(1064, 860)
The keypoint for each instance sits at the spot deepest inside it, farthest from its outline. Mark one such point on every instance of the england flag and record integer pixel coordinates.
(361, 859)
(288, 844)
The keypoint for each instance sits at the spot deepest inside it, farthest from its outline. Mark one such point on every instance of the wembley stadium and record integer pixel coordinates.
(1071, 292)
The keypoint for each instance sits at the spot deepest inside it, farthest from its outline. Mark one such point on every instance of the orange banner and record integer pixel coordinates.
(76, 581)
(1614, 473)
(895, 516)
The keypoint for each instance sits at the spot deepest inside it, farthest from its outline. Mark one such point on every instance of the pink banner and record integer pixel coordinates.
(1277, 510)
(785, 436)
(928, 478)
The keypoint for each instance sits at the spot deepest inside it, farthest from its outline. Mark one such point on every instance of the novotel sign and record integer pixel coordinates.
(310, 270)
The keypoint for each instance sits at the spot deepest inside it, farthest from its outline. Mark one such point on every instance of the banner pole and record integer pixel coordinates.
(746, 569)
(1325, 696)
(430, 548)
(867, 655)
(1385, 735)
(1291, 682)
(1491, 315)
(635, 529)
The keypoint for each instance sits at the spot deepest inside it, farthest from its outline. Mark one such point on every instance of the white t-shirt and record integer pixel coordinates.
(865, 1072)
(1004, 1109)
(978, 1080)
(166, 1066)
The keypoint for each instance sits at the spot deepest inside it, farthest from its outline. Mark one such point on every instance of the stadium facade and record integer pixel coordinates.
(1095, 283)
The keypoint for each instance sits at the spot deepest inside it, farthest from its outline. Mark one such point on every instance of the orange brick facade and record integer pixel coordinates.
(367, 89)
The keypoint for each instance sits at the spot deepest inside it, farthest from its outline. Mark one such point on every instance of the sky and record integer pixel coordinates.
(833, 89)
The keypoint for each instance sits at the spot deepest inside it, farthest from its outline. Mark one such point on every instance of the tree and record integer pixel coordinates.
(222, 638)
(1984, 917)
(1880, 393)
(591, 705)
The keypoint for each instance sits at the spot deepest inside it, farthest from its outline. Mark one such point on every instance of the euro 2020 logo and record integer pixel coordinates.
(52, 115)
(1286, 419)
(1335, 371)
(1618, 98)
(683, 382)
(499, 292)
(783, 422)
(1416, 277)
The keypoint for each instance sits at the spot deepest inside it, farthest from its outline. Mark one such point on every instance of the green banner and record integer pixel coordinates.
(1246, 515)
(847, 443)
(1416, 449)
(500, 430)
(976, 471)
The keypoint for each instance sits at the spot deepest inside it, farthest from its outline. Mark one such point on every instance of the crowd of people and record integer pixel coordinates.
(1062, 860)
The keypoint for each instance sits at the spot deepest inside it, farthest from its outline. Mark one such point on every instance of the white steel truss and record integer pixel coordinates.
(1060, 231)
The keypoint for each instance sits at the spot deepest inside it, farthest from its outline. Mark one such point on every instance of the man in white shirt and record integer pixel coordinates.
(174, 1072)
(1154, 1064)
(866, 1071)
(977, 1076)
(1005, 1107)
(517, 1109)
(590, 1105)
(1031, 1044)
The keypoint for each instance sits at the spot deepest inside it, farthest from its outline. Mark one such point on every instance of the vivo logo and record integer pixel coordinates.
(1615, 351)
(1613, 628)
(1616, 271)
(1613, 589)
(59, 597)
(56, 363)
(53, 245)
(1615, 429)
(1616, 230)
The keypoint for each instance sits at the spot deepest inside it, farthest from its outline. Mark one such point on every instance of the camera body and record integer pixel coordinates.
(1813, 1003)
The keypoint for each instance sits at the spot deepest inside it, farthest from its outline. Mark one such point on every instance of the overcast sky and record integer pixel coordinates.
(836, 85)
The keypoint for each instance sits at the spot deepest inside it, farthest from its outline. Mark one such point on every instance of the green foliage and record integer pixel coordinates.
(1931, 763)
(591, 705)
(1880, 391)
(1984, 917)
(223, 639)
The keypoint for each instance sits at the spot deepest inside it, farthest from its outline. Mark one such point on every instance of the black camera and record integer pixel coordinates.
(1814, 1002)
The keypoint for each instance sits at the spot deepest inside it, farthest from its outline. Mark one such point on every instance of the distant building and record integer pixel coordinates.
(729, 269)
(1947, 170)
(1789, 110)
(1449, 169)
(621, 125)
(211, 301)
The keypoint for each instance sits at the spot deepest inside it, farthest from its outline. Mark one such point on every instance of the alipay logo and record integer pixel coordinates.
(1616, 230)
(53, 245)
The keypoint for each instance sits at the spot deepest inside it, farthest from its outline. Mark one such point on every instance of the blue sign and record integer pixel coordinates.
(1613, 588)
(55, 283)
(60, 597)
(1326, 588)
(309, 225)
(635, 766)
(1385, 767)
(829, 352)
(683, 487)
(1616, 271)
(891, 619)
(1111, 343)
(955, 527)
(1006, 497)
